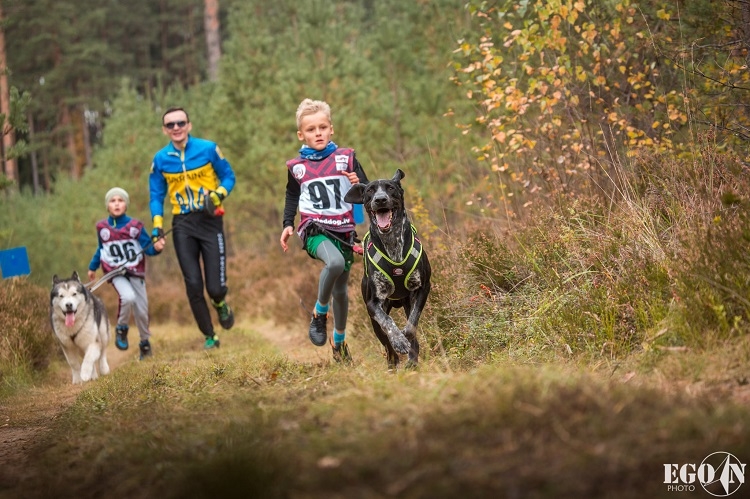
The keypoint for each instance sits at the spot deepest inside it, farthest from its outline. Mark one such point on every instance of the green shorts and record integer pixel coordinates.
(312, 243)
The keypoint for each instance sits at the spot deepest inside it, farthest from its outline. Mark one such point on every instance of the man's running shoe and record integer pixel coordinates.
(212, 342)
(121, 337)
(145, 347)
(226, 316)
(317, 332)
(341, 353)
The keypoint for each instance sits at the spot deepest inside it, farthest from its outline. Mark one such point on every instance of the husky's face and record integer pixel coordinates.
(67, 297)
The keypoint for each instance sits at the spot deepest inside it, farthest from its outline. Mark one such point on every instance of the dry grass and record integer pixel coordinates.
(251, 421)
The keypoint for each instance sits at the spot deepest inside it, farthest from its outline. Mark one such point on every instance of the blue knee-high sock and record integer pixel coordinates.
(320, 309)
(338, 338)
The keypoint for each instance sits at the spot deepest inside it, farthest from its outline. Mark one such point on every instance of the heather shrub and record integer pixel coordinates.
(27, 343)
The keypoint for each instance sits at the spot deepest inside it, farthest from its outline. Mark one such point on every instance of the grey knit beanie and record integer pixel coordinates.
(116, 191)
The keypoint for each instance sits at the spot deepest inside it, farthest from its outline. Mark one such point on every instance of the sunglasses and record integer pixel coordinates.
(178, 124)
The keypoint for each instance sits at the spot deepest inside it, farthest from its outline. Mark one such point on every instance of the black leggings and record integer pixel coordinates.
(199, 236)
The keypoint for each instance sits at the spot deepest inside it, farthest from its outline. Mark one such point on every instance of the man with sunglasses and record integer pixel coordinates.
(196, 177)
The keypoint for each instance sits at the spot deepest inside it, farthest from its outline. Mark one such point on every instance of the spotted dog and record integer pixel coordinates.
(397, 271)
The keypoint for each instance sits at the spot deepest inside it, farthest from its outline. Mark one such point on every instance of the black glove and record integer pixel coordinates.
(157, 233)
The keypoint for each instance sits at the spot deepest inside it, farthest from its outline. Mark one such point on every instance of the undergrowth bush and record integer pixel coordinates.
(659, 261)
(27, 343)
(711, 255)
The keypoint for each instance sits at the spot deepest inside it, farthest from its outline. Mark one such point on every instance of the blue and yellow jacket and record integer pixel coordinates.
(187, 176)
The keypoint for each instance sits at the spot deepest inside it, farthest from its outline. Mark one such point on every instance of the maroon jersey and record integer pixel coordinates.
(322, 189)
(120, 245)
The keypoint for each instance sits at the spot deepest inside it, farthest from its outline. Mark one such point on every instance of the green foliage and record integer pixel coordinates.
(391, 120)
(566, 88)
(707, 45)
(388, 91)
(15, 122)
(73, 68)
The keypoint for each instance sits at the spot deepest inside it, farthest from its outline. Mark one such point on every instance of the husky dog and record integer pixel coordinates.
(80, 322)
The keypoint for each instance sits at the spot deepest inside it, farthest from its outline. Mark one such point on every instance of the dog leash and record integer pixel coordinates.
(353, 246)
(109, 275)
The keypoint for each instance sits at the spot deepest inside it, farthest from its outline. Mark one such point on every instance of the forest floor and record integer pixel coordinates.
(27, 417)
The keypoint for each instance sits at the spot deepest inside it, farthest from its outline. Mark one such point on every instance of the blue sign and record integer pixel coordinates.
(14, 262)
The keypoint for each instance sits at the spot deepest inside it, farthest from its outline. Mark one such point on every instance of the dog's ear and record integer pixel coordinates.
(355, 194)
(75, 276)
(55, 279)
(398, 175)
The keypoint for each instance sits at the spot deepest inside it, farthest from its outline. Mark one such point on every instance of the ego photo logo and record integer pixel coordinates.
(720, 474)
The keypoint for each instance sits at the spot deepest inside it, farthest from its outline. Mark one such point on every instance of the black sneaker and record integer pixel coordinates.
(341, 353)
(145, 347)
(121, 337)
(317, 332)
(226, 316)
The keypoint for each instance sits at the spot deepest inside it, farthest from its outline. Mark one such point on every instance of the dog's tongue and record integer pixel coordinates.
(384, 219)
(70, 318)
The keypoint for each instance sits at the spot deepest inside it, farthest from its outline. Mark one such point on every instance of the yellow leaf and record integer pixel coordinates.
(663, 14)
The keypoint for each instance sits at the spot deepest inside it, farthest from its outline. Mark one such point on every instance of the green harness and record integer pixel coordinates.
(397, 273)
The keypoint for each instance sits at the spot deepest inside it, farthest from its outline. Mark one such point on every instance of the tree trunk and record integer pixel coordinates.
(68, 127)
(9, 165)
(46, 175)
(86, 142)
(34, 159)
(213, 40)
(163, 39)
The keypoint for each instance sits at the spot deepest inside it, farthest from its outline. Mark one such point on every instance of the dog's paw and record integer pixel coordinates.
(400, 343)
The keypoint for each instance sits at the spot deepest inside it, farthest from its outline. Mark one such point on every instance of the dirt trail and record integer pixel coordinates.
(27, 416)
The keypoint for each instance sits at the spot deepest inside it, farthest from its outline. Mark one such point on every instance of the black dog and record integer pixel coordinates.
(397, 271)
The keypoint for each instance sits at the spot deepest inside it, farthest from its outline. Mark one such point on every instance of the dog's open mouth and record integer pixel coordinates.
(70, 318)
(383, 218)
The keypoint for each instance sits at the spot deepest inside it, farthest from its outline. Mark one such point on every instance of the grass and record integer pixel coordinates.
(248, 421)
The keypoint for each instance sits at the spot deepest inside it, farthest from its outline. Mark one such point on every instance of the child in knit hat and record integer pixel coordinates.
(123, 242)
